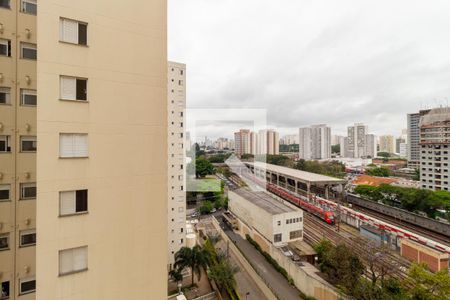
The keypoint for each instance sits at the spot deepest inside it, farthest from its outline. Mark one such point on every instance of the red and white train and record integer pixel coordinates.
(325, 209)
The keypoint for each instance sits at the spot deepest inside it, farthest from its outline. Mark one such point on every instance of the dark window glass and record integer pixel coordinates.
(29, 100)
(4, 242)
(28, 239)
(82, 34)
(29, 192)
(4, 144)
(5, 4)
(5, 288)
(81, 201)
(29, 146)
(5, 48)
(4, 195)
(4, 96)
(81, 89)
(29, 8)
(29, 53)
(27, 286)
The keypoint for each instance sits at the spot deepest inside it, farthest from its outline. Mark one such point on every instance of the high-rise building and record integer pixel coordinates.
(413, 133)
(356, 137)
(371, 146)
(435, 149)
(18, 146)
(176, 177)
(253, 143)
(102, 130)
(242, 142)
(268, 142)
(290, 139)
(315, 142)
(343, 146)
(387, 143)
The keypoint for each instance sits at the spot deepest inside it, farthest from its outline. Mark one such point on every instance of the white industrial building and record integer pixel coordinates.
(266, 218)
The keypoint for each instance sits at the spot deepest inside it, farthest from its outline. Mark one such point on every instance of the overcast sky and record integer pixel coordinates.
(314, 61)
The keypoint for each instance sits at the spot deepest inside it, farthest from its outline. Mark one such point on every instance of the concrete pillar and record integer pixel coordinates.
(308, 187)
(326, 191)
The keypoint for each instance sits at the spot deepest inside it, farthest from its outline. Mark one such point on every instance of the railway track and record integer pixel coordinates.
(415, 229)
(315, 230)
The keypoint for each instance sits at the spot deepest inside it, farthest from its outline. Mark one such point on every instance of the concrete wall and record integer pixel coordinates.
(305, 278)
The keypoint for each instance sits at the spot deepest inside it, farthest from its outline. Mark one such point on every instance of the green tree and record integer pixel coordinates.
(176, 275)
(196, 259)
(384, 154)
(223, 274)
(336, 148)
(206, 207)
(424, 285)
(380, 172)
(203, 167)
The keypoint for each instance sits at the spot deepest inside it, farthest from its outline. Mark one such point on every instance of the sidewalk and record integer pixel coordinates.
(276, 282)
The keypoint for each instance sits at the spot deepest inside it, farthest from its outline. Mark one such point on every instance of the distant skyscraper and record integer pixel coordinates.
(242, 142)
(413, 132)
(268, 142)
(356, 140)
(370, 145)
(387, 143)
(435, 149)
(289, 139)
(315, 142)
(253, 143)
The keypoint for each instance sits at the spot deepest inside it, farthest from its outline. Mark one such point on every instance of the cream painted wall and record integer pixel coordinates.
(126, 172)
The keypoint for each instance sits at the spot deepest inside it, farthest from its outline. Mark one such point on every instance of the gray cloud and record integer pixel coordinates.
(314, 61)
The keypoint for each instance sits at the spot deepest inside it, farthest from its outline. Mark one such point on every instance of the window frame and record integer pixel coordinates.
(75, 213)
(73, 144)
(76, 79)
(25, 45)
(7, 237)
(6, 187)
(27, 232)
(73, 271)
(61, 32)
(9, 289)
(7, 43)
(25, 185)
(22, 6)
(28, 138)
(25, 280)
(7, 91)
(7, 140)
(27, 92)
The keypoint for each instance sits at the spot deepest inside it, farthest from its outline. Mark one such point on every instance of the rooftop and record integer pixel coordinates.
(264, 201)
(372, 180)
(297, 174)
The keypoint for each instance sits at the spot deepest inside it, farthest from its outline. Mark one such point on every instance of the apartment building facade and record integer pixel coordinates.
(356, 139)
(413, 133)
(370, 145)
(102, 160)
(18, 146)
(387, 144)
(242, 142)
(176, 171)
(435, 149)
(315, 142)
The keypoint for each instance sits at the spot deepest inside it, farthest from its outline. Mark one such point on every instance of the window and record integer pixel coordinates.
(180, 82)
(73, 260)
(295, 234)
(5, 95)
(27, 238)
(28, 51)
(5, 143)
(278, 223)
(27, 191)
(28, 97)
(27, 286)
(73, 202)
(29, 6)
(73, 32)
(277, 238)
(5, 192)
(73, 145)
(5, 288)
(28, 144)
(4, 241)
(73, 88)
(5, 47)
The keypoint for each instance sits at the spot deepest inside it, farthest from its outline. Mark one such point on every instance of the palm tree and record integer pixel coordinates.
(176, 275)
(195, 259)
(223, 274)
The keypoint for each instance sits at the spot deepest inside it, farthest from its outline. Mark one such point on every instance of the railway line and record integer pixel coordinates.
(315, 230)
(414, 229)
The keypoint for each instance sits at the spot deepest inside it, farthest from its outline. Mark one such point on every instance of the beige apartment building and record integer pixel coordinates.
(176, 172)
(17, 149)
(99, 214)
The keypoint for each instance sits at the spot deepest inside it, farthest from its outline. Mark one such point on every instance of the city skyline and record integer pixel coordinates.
(348, 67)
